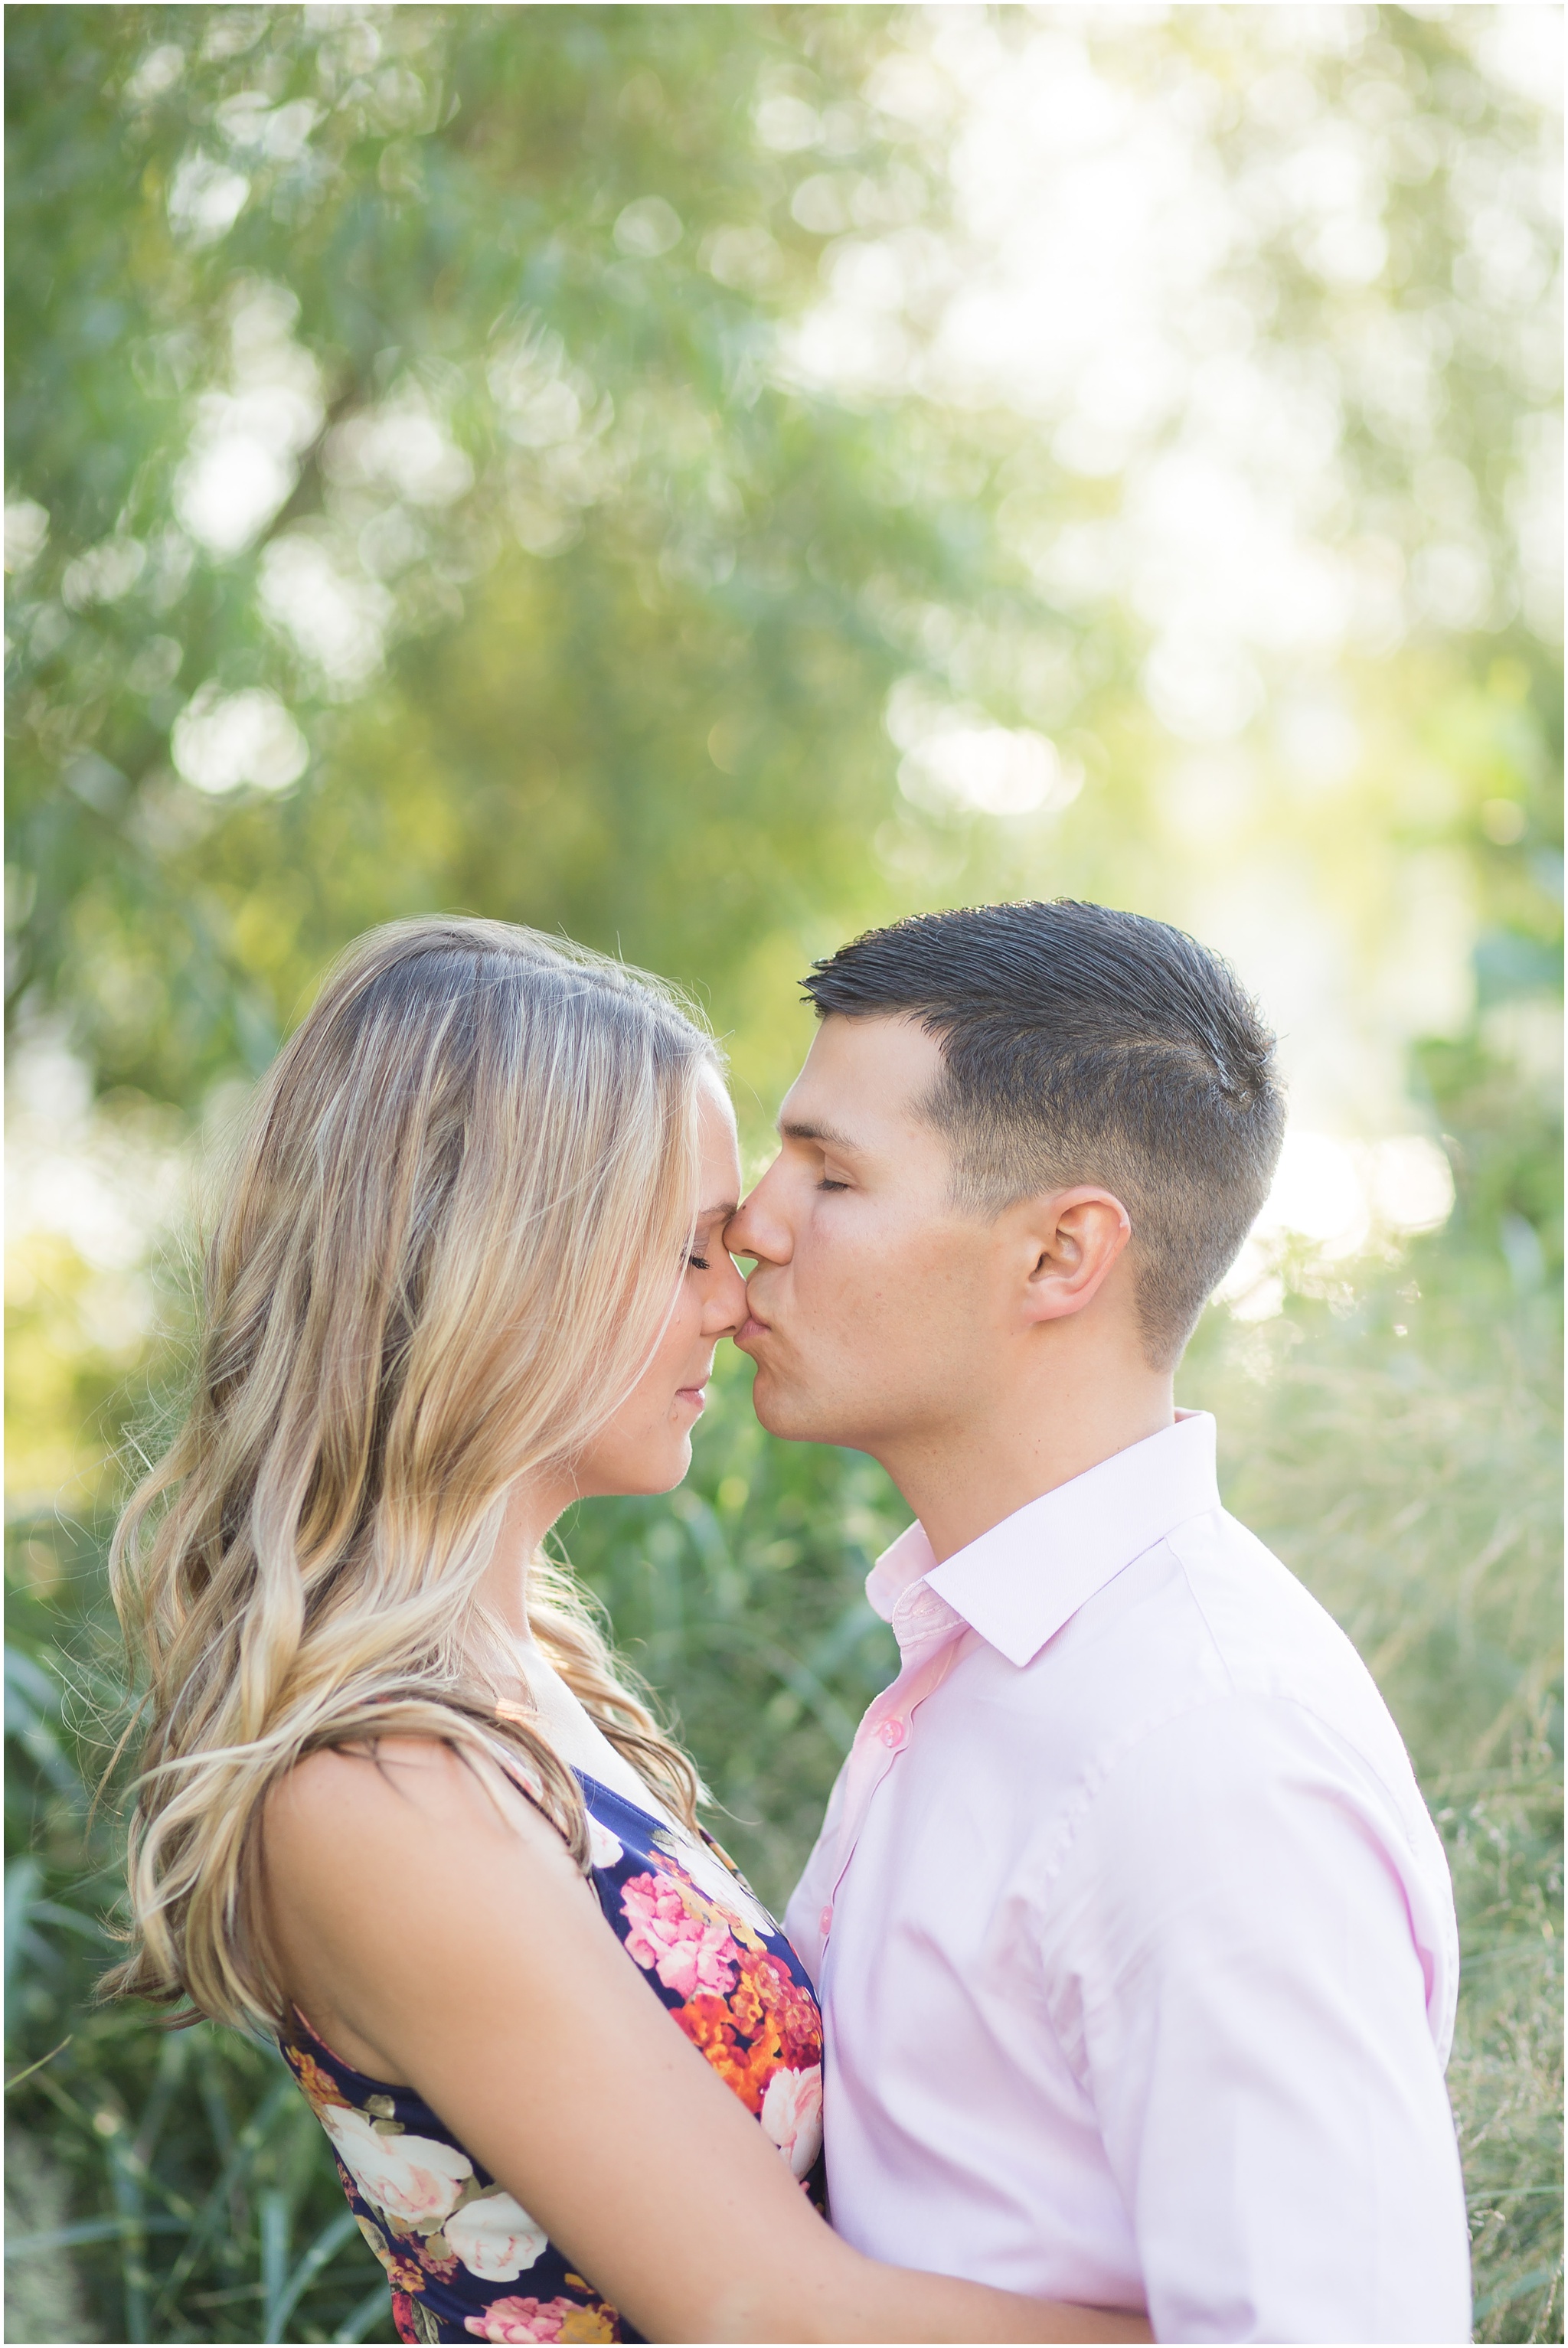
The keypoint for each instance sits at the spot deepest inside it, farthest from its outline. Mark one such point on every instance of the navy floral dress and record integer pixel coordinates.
(464, 2260)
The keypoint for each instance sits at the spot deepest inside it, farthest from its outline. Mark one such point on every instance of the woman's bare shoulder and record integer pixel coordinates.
(402, 1792)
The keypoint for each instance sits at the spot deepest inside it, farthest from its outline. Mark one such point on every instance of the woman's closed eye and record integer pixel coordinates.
(707, 1236)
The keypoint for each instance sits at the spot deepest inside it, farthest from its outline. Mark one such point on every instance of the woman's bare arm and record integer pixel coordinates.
(443, 1940)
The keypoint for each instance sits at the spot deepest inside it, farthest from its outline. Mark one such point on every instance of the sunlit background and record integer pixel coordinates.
(705, 480)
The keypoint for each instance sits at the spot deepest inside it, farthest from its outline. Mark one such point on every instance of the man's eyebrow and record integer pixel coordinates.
(807, 1129)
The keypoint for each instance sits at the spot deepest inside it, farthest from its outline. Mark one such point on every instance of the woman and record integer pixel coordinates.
(396, 1808)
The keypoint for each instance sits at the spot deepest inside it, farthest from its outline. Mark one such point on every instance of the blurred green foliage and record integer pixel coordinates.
(489, 375)
(632, 571)
(416, 498)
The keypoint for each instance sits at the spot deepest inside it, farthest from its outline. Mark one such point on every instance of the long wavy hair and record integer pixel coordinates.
(449, 1243)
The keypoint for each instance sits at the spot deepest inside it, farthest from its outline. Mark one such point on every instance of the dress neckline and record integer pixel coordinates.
(638, 1811)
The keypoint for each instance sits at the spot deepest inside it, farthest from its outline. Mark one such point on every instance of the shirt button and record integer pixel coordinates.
(824, 1921)
(892, 1733)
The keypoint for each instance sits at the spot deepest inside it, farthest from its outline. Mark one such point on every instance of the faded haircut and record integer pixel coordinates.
(1082, 1045)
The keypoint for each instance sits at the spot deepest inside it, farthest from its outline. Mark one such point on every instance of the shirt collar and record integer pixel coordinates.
(1019, 1582)
(900, 1592)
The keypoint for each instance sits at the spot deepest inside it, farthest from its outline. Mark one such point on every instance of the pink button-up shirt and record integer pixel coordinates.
(1135, 1942)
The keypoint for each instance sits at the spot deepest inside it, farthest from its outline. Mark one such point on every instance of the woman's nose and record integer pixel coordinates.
(723, 1305)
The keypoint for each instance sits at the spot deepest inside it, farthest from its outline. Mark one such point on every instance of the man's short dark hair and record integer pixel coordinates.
(1085, 1045)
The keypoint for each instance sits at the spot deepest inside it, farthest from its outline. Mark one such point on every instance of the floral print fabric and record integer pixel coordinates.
(465, 2261)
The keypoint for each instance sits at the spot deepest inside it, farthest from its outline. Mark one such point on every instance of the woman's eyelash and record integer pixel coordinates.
(698, 1263)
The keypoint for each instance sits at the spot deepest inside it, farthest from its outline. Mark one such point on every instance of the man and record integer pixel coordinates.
(1135, 1942)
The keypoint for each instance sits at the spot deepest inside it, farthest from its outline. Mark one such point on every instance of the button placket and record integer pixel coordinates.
(931, 1636)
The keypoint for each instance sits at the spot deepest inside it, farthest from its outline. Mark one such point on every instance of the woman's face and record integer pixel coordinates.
(646, 1446)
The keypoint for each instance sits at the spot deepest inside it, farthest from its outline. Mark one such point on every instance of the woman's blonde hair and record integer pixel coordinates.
(451, 1242)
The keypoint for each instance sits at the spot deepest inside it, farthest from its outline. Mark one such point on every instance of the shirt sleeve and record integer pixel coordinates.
(1234, 1972)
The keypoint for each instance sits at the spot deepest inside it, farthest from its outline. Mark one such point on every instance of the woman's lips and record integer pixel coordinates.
(695, 1396)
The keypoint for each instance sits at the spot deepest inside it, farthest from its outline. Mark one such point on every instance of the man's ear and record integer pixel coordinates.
(1069, 1242)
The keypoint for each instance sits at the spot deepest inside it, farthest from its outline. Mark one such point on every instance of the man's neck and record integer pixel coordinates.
(961, 1481)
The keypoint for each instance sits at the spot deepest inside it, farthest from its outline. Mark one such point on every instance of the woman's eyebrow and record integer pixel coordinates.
(717, 1214)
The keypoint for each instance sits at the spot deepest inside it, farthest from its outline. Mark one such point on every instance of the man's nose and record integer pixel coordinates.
(757, 1229)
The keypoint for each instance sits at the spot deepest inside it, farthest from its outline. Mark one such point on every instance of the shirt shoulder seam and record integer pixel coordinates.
(1172, 1540)
(1294, 1697)
(1098, 1774)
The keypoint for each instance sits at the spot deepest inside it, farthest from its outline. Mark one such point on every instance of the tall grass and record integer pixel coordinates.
(1398, 1450)
(1419, 1497)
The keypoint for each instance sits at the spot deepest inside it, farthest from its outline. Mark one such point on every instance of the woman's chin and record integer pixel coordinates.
(662, 1474)
(635, 1471)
